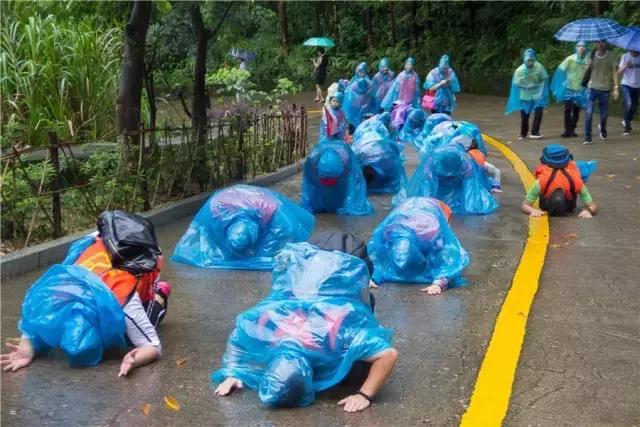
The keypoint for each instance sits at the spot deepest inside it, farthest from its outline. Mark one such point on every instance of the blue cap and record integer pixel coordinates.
(410, 60)
(556, 156)
(384, 62)
(529, 54)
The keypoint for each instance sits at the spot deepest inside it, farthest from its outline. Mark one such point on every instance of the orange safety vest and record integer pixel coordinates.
(122, 283)
(567, 178)
(478, 156)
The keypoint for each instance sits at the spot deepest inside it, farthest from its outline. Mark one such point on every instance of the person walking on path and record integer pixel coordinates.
(630, 70)
(603, 67)
(529, 93)
(320, 72)
(443, 83)
(567, 87)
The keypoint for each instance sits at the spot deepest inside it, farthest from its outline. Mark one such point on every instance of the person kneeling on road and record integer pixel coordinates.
(415, 244)
(559, 182)
(105, 293)
(308, 334)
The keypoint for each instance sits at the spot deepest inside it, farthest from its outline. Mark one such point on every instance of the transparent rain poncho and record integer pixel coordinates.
(440, 134)
(399, 112)
(307, 334)
(243, 227)
(445, 95)
(467, 134)
(383, 80)
(379, 155)
(566, 84)
(360, 96)
(415, 244)
(529, 86)
(405, 88)
(332, 181)
(70, 308)
(450, 174)
(413, 126)
(333, 124)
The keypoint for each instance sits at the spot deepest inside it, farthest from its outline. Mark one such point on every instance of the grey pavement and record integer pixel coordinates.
(580, 358)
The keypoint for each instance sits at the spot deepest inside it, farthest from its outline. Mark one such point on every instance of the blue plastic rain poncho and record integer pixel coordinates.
(360, 96)
(445, 95)
(383, 80)
(243, 227)
(339, 86)
(439, 135)
(332, 181)
(379, 155)
(449, 174)
(566, 84)
(415, 244)
(70, 308)
(306, 335)
(468, 135)
(333, 124)
(435, 119)
(413, 126)
(405, 88)
(529, 86)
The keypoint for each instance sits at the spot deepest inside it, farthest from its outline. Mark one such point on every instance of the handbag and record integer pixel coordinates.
(429, 100)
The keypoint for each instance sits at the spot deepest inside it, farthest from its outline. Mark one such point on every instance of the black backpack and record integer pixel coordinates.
(338, 240)
(130, 240)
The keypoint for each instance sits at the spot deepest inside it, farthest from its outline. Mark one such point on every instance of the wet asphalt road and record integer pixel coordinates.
(580, 358)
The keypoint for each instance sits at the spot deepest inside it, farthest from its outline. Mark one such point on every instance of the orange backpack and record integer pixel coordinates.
(567, 178)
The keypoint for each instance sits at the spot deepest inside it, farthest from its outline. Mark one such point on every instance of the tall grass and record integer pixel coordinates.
(57, 76)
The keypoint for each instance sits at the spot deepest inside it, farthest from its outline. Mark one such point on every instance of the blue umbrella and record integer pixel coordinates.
(629, 40)
(590, 29)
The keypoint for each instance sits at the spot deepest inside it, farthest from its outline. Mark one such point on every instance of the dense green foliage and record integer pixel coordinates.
(60, 60)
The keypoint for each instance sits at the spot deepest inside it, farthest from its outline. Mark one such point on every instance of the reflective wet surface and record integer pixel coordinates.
(580, 358)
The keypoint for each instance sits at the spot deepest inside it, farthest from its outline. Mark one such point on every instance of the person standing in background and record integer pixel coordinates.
(603, 76)
(443, 82)
(567, 87)
(529, 93)
(383, 81)
(320, 72)
(630, 70)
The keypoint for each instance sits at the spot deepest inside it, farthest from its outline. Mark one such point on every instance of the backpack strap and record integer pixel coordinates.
(549, 182)
(572, 185)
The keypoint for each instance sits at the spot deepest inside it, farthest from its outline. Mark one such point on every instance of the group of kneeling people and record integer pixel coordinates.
(316, 329)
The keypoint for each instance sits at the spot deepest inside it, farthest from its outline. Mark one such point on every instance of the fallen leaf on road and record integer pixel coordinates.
(13, 340)
(146, 409)
(170, 402)
(611, 175)
(555, 245)
(181, 361)
(571, 236)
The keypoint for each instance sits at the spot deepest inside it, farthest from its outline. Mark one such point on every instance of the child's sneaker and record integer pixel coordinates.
(536, 136)
(587, 142)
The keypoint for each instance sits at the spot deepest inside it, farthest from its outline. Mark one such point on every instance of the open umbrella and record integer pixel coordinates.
(590, 29)
(629, 40)
(319, 42)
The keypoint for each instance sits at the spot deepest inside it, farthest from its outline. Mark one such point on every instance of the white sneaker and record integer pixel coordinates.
(587, 142)
(625, 133)
(538, 136)
(521, 138)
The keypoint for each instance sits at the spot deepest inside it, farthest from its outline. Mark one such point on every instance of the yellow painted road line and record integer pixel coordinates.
(314, 111)
(490, 398)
